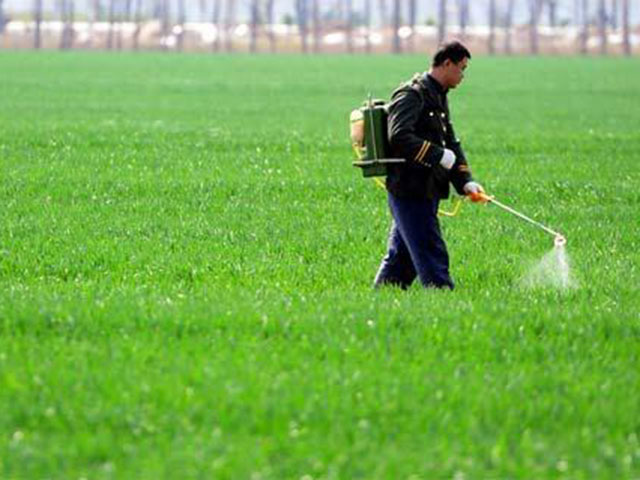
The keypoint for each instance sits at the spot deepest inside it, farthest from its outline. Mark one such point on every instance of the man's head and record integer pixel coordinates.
(449, 64)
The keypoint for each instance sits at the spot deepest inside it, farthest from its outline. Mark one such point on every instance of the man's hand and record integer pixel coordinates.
(448, 159)
(475, 192)
(472, 187)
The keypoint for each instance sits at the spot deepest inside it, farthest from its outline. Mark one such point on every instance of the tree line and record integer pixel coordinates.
(311, 19)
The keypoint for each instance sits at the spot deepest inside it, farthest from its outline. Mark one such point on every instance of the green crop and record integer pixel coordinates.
(186, 259)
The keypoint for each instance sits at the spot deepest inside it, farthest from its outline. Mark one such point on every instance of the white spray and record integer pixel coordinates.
(553, 270)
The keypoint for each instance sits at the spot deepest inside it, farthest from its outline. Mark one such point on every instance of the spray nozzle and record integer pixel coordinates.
(560, 241)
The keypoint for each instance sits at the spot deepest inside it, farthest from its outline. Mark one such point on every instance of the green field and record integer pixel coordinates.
(186, 259)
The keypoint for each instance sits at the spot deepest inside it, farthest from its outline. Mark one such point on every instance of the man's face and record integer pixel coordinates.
(454, 72)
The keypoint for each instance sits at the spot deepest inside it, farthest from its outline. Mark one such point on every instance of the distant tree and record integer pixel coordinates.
(71, 11)
(128, 5)
(463, 14)
(383, 14)
(348, 10)
(93, 18)
(382, 11)
(442, 21)
(2, 21)
(397, 21)
(112, 20)
(118, 32)
(37, 19)
(626, 41)
(61, 8)
(156, 9)
(413, 14)
(271, 21)
(553, 12)
(230, 24)
(613, 16)
(317, 26)
(584, 37)
(508, 25)
(602, 26)
(367, 21)
(182, 18)
(215, 20)
(302, 19)
(254, 20)
(71, 14)
(202, 10)
(137, 18)
(165, 21)
(535, 8)
(66, 17)
(492, 27)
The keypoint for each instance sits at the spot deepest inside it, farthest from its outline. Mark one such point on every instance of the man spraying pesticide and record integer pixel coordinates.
(411, 141)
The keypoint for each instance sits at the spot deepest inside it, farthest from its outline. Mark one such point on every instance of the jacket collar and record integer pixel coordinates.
(428, 79)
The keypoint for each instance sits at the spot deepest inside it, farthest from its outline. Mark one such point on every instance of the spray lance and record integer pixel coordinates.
(481, 197)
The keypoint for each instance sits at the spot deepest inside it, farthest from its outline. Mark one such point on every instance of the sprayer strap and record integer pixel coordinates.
(457, 205)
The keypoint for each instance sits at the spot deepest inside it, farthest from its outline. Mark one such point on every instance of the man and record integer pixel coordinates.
(420, 131)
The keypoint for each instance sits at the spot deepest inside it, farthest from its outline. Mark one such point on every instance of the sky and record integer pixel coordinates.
(426, 8)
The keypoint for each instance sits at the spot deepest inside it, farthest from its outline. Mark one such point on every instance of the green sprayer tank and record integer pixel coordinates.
(369, 138)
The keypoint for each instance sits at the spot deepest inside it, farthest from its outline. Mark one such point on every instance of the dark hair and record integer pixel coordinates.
(454, 51)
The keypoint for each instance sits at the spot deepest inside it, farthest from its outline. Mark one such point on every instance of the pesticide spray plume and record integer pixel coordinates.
(553, 270)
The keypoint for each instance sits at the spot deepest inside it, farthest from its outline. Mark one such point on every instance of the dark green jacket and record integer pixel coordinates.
(419, 129)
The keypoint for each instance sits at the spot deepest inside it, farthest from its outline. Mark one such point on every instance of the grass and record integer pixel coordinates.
(186, 258)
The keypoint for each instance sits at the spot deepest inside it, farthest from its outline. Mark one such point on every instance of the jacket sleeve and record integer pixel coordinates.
(460, 172)
(404, 111)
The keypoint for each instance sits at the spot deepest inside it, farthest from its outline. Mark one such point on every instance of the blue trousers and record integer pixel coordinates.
(416, 247)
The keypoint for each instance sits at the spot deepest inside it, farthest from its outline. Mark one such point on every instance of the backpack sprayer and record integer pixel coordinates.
(371, 145)
(369, 138)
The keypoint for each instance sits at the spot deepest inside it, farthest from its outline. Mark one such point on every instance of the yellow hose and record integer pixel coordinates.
(457, 206)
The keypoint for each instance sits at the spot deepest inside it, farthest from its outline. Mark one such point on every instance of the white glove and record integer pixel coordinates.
(448, 159)
(471, 188)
